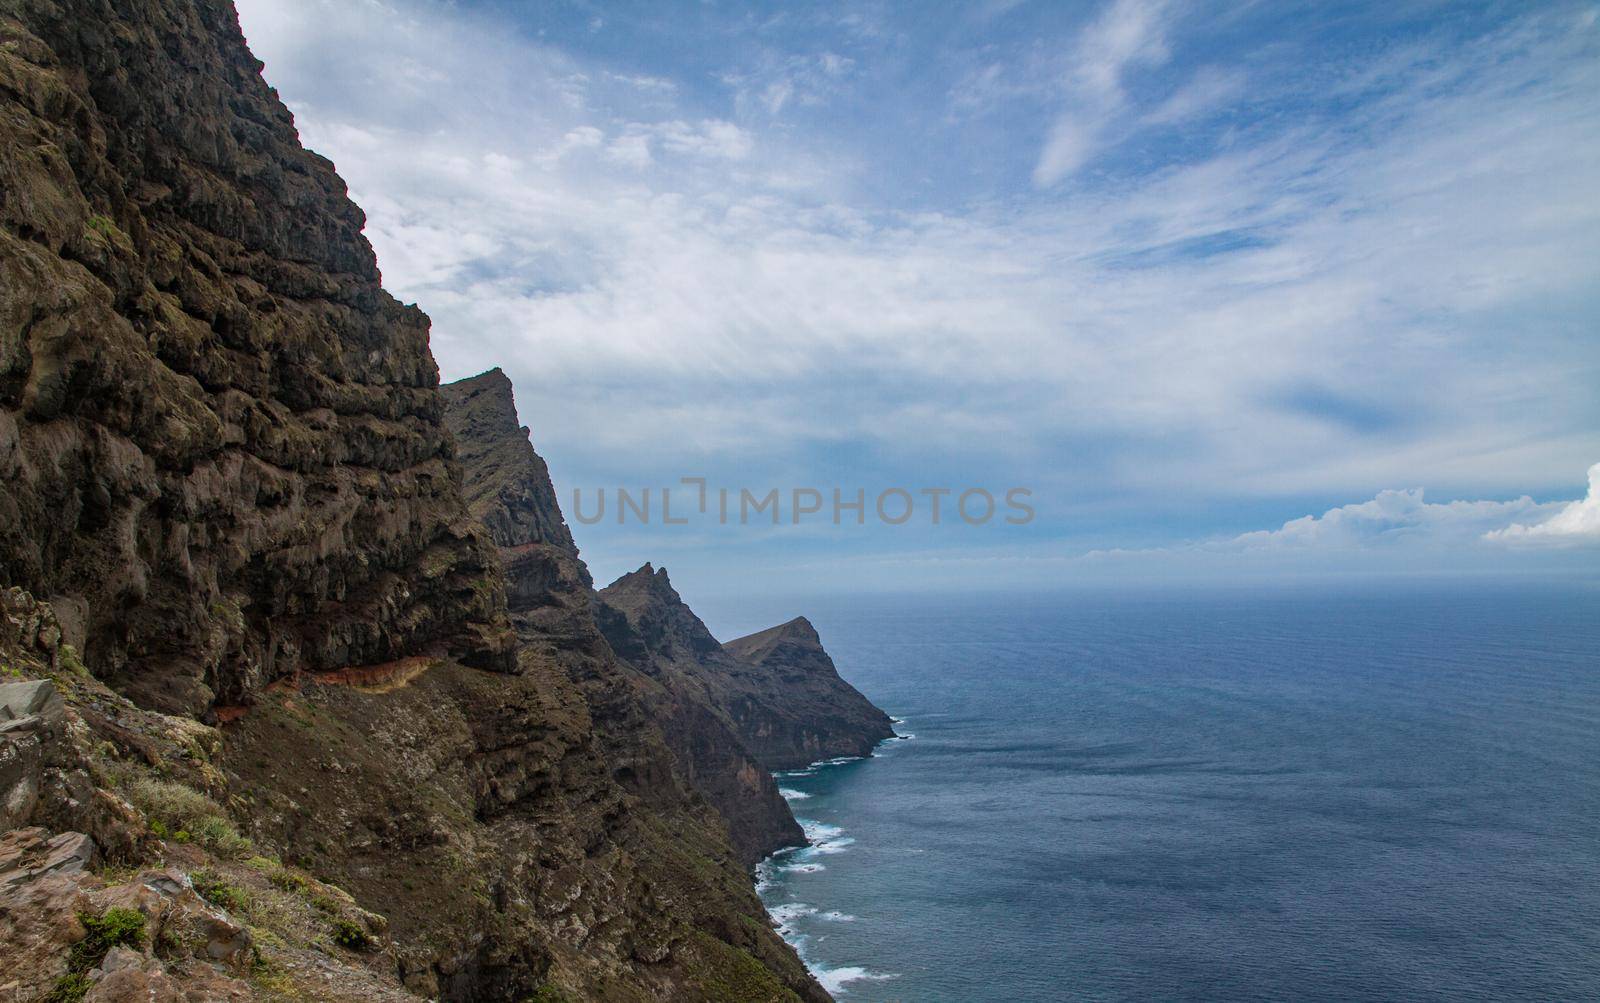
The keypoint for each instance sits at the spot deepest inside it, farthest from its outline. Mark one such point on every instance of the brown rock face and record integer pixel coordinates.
(224, 463)
(506, 484)
(778, 690)
(822, 716)
(220, 439)
(665, 743)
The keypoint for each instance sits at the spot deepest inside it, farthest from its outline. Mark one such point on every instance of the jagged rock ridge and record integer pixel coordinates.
(506, 484)
(642, 718)
(778, 690)
(824, 716)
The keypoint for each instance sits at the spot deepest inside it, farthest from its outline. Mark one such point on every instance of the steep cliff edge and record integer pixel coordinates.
(778, 690)
(222, 454)
(505, 482)
(640, 718)
(224, 462)
(834, 719)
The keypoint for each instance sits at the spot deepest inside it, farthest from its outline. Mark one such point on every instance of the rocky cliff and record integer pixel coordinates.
(665, 742)
(823, 716)
(777, 690)
(222, 454)
(296, 741)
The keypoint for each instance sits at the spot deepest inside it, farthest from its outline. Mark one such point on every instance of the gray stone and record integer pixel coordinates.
(122, 959)
(21, 763)
(36, 696)
(26, 854)
(19, 725)
(68, 853)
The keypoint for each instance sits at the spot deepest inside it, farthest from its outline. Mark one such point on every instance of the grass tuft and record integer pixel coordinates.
(188, 815)
(218, 892)
(114, 928)
(350, 935)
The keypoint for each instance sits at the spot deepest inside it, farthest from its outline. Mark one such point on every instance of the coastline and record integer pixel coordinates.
(822, 840)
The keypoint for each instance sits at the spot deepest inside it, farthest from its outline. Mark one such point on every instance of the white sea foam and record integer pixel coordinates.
(766, 873)
(787, 914)
(824, 839)
(811, 770)
(835, 979)
(802, 868)
(789, 911)
(817, 831)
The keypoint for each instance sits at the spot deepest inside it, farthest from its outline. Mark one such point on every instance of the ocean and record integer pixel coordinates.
(1340, 793)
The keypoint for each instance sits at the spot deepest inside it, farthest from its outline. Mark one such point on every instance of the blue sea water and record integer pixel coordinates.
(1334, 794)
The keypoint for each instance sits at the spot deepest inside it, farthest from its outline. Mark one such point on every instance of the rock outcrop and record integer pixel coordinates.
(820, 715)
(222, 454)
(506, 484)
(665, 743)
(777, 690)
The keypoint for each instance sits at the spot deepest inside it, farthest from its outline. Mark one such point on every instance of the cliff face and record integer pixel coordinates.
(824, 715)
(664, 743)
(506, 484)
(224, 462)
(222, 454)
(777, 690)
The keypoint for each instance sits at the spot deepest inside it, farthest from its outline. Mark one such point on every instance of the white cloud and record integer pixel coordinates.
(1128, 34)
(1392, 518)
(776, 95)
(1401, 522)
(1575, 522)
(1068, 146)
(1211, 87)
(643, 82)
(777, 81)
(711, 138)
(673, 283)
(1396, 532)
(633, 150)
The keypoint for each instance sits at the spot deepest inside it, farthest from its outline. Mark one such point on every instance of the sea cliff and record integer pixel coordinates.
(308, 693)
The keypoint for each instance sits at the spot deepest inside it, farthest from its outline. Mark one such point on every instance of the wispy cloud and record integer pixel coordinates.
(778, 81)
(1211, 88)
(1129, 34)
(1392, 285)
(1403, 522)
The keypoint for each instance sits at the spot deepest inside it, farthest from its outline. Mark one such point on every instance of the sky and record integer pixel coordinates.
(1235, 291)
